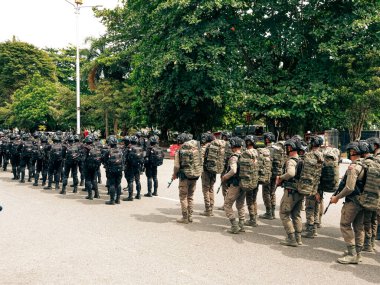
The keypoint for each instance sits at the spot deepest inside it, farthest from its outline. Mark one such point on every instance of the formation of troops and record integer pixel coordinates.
(305, 171)
(54, 158)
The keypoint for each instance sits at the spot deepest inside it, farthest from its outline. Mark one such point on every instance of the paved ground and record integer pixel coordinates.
(47, 238)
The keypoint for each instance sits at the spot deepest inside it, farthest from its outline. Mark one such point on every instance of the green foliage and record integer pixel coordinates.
(18, 63)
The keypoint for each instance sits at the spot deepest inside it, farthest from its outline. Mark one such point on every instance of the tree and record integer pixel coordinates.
(32, 104)
(19, 62)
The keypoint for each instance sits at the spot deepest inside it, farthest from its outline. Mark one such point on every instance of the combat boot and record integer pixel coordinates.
(252, 221)
(81, 183)
(138, 196)
(149, 194)
(309, 232)
(268, 214)
(129, 198)
(273, 212)
(22, 180)
(373, 242)
(89, 196)
(184, 219)
(299, 238)
(351, 257)
(290, 240)
(63, 191)
(117, 201)
(97, 196)
(57, 186)
(241, 225)
(110, 202)
(35, 180)
(48, 187)
(234, 227)
(367, 245)
(155, 192)
(190, 218)
(207, 213)
(75, 189)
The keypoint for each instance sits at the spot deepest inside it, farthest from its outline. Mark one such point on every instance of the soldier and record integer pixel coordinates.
(99, 146)
(42, 162)
(56, 157)
(134, 161)
(4, 151)
(114, 163)
(290, 206)
(234, 193)
(188, 173)
(251, 195)
(72, 160)
(92, 161)
(15, 155)
(25, 149)
(208, 178)
(153, 158)
(370, 217)
(269, 189)
(352, 213)
(228, 152)
(312, 201)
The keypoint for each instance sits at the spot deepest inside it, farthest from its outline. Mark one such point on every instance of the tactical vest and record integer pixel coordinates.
(278, 158)
(227, 154)
(265, 165)
(369, 198)
(135, 157)
(27, 149)
(292, 183)
(190, 158)
(214, 156)
(248, 170)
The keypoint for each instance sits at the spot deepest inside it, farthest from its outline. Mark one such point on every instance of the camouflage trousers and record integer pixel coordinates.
(208, 181)
(250, 198)
(351, 224)
(234, 194)
(312, 209)
(290, 211)
(370, 223)
(186, 195)
(269, 193)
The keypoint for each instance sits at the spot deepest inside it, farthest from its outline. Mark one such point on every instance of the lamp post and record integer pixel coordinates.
(77, 6)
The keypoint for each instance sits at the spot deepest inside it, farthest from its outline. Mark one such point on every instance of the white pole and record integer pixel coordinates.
(77, 9)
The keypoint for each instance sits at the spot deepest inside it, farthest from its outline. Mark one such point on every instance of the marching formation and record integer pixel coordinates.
(305, 170)
(55, 158)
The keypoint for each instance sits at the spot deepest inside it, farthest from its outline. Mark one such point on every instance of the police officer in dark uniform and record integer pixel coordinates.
(57, 155)
(15, 155)
(114, 163)
(151, 165)
(92, 161)
(42, 162)
(73, 157)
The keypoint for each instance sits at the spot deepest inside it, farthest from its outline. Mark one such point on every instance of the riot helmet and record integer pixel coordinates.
(153, 140)
(236, 142)
(70, 138)
(316, 141)
(291, 145)
(56, 138)
(44, 139)
(89, 139)
(374, 143)
(354, 146)
(25, 137)
(364, 147)
(225, 135)
(269, 136)
(127, 140)
(36, 134)
(250, 139)
(76, 138)
(12, 136)
(134, 139)
(112, 140)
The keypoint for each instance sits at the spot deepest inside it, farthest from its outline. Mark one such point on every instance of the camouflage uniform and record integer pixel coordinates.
(291, 202)
(186, 191)
(251, 199)
(312, 202)
(208, 181)
(234, 194)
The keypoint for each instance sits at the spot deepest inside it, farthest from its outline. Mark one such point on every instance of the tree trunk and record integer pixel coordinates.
(115, 126)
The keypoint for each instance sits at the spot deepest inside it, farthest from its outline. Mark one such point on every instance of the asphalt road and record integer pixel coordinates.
(47, 238)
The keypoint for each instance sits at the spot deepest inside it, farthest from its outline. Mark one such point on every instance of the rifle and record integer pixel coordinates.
(170, 183)
(220, 186)
(335, 193)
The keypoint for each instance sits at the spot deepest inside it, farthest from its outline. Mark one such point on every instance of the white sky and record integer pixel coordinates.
(49, 23)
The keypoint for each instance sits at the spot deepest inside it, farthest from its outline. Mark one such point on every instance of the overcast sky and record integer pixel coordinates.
(49, 23)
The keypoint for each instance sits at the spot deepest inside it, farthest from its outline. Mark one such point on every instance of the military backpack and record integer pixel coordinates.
(190, 158)
(94, 158)
(330, 171)
(115, 160)
(310, 174)
(278, 158)
(135, 156)
(264, 165)
(156, 156)
(73, 153)
(369, 199)
(56, 152)
(214, 156)
(248, 170)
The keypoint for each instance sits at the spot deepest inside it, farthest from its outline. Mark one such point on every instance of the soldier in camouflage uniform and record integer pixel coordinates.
(234, 193)
(312, 202)
(228, 152)
(290, 206)
(352, 217)
(208, 179)
(186, 186)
